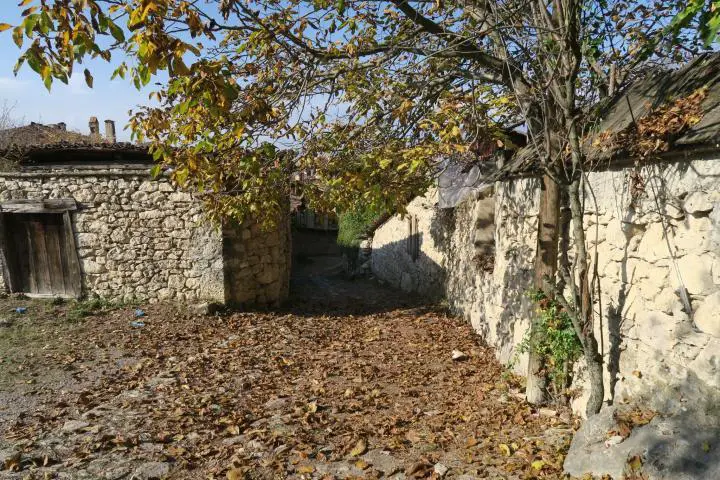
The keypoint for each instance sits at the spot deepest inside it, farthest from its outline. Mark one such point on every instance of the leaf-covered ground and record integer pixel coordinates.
(349, 383)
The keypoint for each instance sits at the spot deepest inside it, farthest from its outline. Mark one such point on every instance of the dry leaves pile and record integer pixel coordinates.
(262, 395)
(654, 132)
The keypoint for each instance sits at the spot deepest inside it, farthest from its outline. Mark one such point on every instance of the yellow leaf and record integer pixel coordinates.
(538, 464)
(505, 449)
(25, 3)
(306, 469)
(234, 474)
(635, 463)
(5, 26)
(359, 449)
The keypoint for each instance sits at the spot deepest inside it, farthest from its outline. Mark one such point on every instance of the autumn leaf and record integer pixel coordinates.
(505, 449)
(5, 26)
(88, 78)
(234, 474)
(359, 448)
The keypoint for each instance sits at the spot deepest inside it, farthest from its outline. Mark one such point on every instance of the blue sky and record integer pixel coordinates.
(73, 104)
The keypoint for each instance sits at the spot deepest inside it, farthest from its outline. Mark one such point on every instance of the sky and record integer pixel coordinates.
(74, 103)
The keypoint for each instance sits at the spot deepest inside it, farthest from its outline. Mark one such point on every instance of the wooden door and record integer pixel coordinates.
(41, 256)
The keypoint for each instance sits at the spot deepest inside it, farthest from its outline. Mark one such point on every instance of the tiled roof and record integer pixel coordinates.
(38, 134)
(36, 143)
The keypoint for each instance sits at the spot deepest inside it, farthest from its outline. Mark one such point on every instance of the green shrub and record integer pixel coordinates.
(355, 224)
(556, 341)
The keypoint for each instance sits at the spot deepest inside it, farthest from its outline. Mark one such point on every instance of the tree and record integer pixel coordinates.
(369, 93)
(7, 118)
(707, 15)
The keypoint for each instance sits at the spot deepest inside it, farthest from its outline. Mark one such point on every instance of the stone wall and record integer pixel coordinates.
(392, 249)
(142, 238)
(257, 263)
(648, 248)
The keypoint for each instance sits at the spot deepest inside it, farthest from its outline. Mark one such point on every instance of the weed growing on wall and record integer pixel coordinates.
(557, 343)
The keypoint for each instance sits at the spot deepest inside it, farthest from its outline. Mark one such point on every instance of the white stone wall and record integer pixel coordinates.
(647, 248)
(393, 262)
(136, 237)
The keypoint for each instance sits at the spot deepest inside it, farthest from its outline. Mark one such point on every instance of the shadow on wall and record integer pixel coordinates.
(481, 282)
(405, 266)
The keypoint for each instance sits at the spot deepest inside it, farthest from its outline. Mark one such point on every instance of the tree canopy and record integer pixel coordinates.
(366, 94)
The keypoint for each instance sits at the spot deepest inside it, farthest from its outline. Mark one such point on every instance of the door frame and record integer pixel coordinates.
(60, 205)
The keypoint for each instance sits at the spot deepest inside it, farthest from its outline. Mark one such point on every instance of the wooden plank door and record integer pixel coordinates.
(41, 254)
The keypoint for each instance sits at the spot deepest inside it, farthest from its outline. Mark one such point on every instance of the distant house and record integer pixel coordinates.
(80, 215)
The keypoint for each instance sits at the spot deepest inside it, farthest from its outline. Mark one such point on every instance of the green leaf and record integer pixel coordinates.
(116, 32)
(30, 23)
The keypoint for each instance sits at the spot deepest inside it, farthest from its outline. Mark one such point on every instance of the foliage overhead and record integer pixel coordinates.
(369, 94)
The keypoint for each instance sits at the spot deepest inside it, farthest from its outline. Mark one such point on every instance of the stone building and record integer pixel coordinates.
(655, 226)
(81, 215)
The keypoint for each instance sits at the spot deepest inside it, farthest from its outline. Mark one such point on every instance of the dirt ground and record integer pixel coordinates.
(351, 381)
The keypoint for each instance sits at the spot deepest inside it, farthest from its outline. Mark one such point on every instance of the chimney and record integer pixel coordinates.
(94, 127)
(110, 131)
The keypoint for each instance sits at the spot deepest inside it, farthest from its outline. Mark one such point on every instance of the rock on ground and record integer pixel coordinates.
(681, 446)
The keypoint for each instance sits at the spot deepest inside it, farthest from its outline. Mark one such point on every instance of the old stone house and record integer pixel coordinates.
(81, 215)
(654, 224)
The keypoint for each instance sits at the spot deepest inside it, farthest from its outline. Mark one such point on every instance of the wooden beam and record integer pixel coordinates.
(4, 257)
(75, 279)
(57, 205)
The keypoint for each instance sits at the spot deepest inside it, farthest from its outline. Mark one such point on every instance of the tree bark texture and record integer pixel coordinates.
(545, 266)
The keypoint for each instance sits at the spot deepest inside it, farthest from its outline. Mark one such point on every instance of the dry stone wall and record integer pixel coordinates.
(257, 263)
(141, 238)
(650, 249)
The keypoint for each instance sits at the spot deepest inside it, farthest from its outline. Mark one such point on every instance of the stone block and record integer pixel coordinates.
(268, 274)
(696, 274)
(91, 267)
(86, 239)
(698, 203)
(119, 235)
(707, 316)
(176, 282)
(139, 197)
(180, 197)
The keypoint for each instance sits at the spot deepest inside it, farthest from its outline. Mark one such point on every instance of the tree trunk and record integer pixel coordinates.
(545, 266)
(586, 331)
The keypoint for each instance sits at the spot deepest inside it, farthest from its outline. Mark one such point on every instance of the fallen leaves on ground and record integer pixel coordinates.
(299, 394)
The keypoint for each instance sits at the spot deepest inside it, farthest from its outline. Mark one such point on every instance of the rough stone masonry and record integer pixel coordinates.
(141, 238)
(650, 250)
